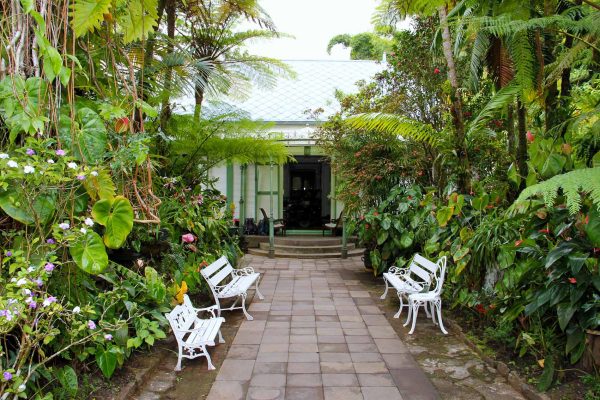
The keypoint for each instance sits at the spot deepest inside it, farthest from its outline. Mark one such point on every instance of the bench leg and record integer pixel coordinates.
(415, 313)
(221, 340)
(178, 366)
(397, 315)
(248, 316)
(386, 290)
(438, 306)
(260, 296)
(208, 360)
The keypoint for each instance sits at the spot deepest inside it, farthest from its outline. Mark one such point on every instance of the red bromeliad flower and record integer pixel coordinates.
(518, 243)
(436, 71)
(545, 231)
(573, 280)
(480, 309)
(530, 136)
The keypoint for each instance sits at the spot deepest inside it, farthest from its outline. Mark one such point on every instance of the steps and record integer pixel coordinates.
(307, 248)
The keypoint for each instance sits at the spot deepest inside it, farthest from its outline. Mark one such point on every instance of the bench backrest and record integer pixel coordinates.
(216, 272)
(181, 318)
(423, 268)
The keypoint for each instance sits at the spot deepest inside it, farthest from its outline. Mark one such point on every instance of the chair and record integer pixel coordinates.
(430, 299)
(335, 225)
(278, 224)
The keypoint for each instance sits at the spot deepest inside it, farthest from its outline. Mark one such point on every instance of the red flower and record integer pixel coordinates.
(362, 217)
(480, 309)
(544, 231)
(188, 238)
(367, 226)
(436, 71)
(378, 177)
(409, 198)
(573, 280)
(586, 220)
(530, 136)
(375, 213)
(518, 243)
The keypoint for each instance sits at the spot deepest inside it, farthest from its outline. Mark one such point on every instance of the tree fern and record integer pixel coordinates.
(394, 125)
(573, 184)
(481, 46)
(501, 99)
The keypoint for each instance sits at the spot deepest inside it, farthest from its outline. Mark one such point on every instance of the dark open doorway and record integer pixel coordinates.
(306, 186)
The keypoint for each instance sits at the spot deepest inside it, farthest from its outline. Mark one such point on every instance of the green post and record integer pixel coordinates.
(242, 201)
(344, 237)
(271, 228)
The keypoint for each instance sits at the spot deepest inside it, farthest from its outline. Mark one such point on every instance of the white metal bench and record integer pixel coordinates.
(193, 334)
(226, 282)
(416, 278)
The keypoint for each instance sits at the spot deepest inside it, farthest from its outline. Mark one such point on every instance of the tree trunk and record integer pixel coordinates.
(565, 81)
(149, 51)
(522, 142)
(199, 96)
(464, 175)
(510, 131)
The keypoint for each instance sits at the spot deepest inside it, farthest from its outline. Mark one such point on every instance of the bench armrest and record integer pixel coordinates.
(210, 310)
(243, 271)
(399, 271)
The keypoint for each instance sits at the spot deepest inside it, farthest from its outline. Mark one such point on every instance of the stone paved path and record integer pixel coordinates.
(317, 335)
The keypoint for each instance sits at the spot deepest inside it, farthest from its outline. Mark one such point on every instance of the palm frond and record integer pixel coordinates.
(396, 126)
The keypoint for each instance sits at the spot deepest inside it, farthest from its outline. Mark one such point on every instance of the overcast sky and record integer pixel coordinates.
(313, 23)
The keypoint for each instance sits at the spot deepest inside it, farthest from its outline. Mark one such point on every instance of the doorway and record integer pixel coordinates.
(306, 187)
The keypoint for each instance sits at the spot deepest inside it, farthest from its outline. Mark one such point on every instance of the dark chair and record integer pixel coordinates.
(278, 224)
(335, 225)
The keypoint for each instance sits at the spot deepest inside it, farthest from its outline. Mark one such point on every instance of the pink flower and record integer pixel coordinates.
(530, 136)
(108, 336)
(91, 324)
(436, 71)
(518, 243)
(573, 280)
(49, 267)
(188, 238)
(60, 152)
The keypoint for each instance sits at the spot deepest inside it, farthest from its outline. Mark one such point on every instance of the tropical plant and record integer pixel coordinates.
(363, 46)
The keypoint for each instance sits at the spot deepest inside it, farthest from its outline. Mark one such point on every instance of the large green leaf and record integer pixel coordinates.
(68, 380)
(156, 288)
(592, 228)
(107, 361)
(553, 165)
(138, 19)
(88, 15)
(444, 215)
(117, 217)
(14, 203)
(89, 253)
(565, 312)
(548, 375)
(406, 240)
(87, 138)
(100, 186)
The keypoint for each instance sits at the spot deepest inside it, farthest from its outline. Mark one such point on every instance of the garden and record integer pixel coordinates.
(479, 140)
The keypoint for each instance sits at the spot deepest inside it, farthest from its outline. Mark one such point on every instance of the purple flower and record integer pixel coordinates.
(9, 253)
(81, 177)
(60, 152)
(30, 152)
(2, 313)
(91, 324)
(39, 282)
(108, 336)
(49, 301)
(64, 226)
(51, 241)
(49, 267)
(7, 376)
(31, 303)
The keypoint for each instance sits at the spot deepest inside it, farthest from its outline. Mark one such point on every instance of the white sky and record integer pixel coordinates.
(313, 23)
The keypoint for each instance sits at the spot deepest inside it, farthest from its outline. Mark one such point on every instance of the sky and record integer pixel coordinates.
(313, 23)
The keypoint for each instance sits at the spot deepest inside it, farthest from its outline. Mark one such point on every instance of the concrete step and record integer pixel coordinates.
(308, 241)
(317, 248)
(280, 254)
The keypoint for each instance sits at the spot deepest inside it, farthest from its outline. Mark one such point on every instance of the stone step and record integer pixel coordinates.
(308, 241)
(307, 249)
(280, 254)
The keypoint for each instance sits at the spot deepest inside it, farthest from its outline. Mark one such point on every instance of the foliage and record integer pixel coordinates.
(363, 46)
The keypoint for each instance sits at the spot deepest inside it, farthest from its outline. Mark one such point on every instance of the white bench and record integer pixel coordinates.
(193, 334)
(226, 282)
(416, 278)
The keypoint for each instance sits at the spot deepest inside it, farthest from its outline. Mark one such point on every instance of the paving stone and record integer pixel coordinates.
(268, 380)
(243, 352)
(382, 379)
(303, 357)
(264, 393)
(370, 367)
(304, 368)
(304, 380)
(335, 357)
(270, 368)
(337, 367)
(304, 393)
(343, 393)
(230, 390)
(340, 380)
(378, 393)
(236, 370)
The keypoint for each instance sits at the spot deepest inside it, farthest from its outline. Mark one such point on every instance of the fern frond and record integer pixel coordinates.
(394, 125)
(565, 60)
(573, 184)
(481, 46)
(501, 99)
(523, 57)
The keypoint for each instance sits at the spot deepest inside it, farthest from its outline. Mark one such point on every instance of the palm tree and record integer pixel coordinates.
(212, 28)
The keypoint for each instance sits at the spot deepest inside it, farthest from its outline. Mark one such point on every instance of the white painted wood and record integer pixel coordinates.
(193, 334)
(226, 282)
(416, 278)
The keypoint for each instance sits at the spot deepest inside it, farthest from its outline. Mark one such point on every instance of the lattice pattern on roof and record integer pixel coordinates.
(313, 87)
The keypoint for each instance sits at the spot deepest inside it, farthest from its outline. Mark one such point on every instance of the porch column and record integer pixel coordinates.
(242, 200)
(344, 237)
(271, 228)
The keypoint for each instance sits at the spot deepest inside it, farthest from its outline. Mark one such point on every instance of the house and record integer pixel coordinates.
(300, 192)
